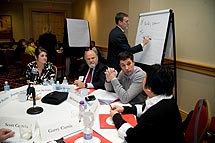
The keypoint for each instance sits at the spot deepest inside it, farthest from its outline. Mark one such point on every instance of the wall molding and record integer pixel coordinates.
(184, 65)
(194, 67)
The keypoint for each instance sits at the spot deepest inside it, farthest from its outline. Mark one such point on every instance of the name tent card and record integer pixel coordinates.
(4, 98)
(55, 130)
(23, 128)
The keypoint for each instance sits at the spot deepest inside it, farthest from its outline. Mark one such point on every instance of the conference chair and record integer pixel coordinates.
(199, 122)
(211, 132)
(55, 69)
(60, 66)
(25, 60)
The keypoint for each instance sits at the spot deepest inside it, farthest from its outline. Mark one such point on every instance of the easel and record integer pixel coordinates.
(147, 58)
(171, 63)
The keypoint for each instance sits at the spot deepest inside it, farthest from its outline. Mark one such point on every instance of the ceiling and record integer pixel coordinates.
(51, 1)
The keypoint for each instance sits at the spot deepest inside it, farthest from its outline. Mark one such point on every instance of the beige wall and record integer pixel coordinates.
(100, 14)
(194, 31)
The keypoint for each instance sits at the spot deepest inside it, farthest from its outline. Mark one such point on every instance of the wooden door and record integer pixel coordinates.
(42, 20)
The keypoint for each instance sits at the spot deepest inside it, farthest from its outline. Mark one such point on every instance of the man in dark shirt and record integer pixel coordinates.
(49, 42)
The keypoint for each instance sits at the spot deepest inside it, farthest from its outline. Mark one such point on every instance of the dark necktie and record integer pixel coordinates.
(89, 76)
(144, 105)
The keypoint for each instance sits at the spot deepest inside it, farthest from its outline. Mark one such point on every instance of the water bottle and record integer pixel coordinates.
(58, 87)
(45, 83)
(51, 81)
(88, 121)
(83, 94)
(81, 110)
(65, 85)
(6, 86)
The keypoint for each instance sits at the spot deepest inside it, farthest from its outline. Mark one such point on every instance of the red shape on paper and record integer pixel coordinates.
(106, 121)
(72, 139)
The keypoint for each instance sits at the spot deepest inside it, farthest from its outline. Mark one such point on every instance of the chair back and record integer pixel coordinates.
(26, 59)
(199, 122)
(55, 69)
(60, 64)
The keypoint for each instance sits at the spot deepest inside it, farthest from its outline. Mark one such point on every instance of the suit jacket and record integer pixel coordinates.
(160, 123)
(98, 79)
(49, 42)
(117, 43)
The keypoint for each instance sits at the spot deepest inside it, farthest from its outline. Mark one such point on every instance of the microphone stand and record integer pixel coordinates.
(35, 109)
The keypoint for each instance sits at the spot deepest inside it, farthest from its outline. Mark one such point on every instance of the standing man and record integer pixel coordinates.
(48, 41)
(91, 73)
(128, 84)
(118, 41)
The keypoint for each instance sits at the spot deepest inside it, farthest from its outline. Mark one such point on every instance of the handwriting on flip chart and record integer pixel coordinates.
(153, 25)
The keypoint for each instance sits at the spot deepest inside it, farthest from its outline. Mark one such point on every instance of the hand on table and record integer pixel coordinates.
(79, 84)
(110, 73)
(5, 134)
(116, 109)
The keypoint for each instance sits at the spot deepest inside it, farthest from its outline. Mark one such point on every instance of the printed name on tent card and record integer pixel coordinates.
(56, 130)
(24, 129)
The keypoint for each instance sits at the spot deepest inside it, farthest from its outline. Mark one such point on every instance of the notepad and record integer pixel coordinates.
(107, 122)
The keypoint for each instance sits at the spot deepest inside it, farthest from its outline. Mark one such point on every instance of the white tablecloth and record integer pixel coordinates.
(53, 114)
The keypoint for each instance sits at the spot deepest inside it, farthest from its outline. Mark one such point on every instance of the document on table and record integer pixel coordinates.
(104, 96)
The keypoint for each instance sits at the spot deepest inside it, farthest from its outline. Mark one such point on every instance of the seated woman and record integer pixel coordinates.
(44, 69)
(159, 120)
(30, 49)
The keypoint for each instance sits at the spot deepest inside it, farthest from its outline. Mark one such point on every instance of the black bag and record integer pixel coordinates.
(55, 97)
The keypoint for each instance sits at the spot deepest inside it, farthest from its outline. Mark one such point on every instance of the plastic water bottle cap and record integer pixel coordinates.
(81, 102)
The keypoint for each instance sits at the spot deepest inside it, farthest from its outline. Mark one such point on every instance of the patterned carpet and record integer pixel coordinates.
(14, 77)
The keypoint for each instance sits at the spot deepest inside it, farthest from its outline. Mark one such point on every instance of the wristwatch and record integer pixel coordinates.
(85, 85)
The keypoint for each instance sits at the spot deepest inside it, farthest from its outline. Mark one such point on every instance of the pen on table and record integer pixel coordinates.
(148, 37)
(111, 107)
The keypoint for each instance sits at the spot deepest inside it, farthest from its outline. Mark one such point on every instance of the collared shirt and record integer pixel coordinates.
(47, 72)
(129, 89)
(89, 85)
(150, 102)
(121, 29)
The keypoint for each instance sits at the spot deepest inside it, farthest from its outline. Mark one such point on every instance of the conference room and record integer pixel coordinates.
(193, 27)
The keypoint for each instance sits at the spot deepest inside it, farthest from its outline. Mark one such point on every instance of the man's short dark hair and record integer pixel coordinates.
(125, 55)
(160, 79)
(119, 17)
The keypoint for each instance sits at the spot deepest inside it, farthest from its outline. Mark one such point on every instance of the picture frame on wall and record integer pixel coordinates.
(6, 27)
